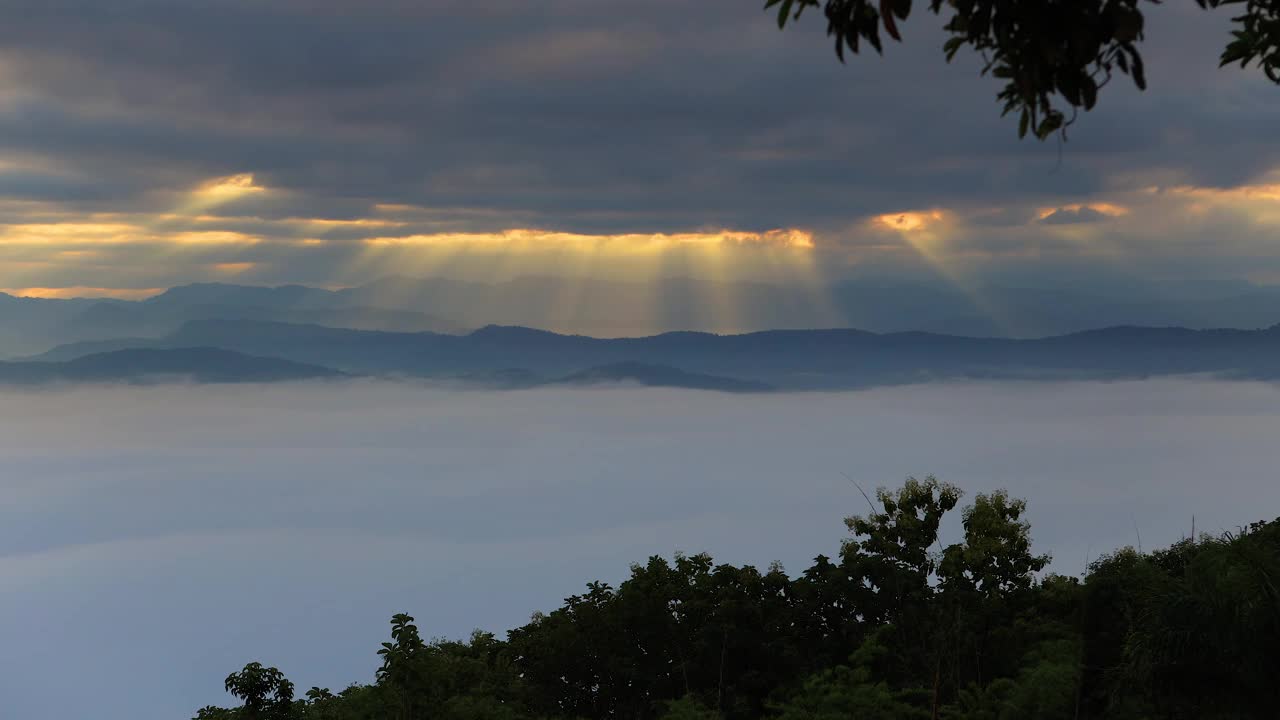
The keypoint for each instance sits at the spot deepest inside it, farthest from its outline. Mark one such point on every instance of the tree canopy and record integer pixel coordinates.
(1054, 56)
(896, 626)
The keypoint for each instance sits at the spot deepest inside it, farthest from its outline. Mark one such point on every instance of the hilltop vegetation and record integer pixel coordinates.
(894, 626)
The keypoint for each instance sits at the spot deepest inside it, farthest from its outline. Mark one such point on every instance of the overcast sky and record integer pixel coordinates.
(145, 143)
(153, 540)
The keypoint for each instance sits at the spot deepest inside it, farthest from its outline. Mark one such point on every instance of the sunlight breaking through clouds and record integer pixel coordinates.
(1094, 209)
(626, 242)
(1258, 201)
(237, 227)
(221, 191)
(910, 221)
(83, 292)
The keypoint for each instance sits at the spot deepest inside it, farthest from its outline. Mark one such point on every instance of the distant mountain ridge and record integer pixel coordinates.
(619, 308)
(200, 365)
(30, 325)
(782, 359)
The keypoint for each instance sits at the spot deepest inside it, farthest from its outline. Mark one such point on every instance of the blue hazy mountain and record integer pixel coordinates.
(31, 325)
(143, 365)
(610, 308)
(34, 324)
(615, 308)
(290, 303)
(786, 359)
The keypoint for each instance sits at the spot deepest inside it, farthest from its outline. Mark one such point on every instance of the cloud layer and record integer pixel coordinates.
(169, 535)
(119, 123)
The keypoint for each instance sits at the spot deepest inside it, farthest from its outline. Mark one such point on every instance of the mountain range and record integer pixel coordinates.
(783, 359)
(229, 333)
(200, 365)
(611, 308)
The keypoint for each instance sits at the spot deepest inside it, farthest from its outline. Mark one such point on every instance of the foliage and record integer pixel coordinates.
(852, 690)
(1047, 52)
(266, 693)
(689, 708)
(897, 627)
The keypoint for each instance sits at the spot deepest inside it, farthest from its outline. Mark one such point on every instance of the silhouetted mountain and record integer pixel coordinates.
(231, 295)
(29, 325)
(71, 351)
(659, 376)
(33, 324)
(200, 364)
(788, 359)
(616, 308)
(612, 308)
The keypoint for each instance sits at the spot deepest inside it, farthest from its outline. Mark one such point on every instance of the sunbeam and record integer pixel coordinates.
(923, 232)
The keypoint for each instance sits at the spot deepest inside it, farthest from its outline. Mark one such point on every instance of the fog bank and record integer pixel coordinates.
(154, 539)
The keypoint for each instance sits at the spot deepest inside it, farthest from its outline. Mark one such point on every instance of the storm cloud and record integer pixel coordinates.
(584, 117)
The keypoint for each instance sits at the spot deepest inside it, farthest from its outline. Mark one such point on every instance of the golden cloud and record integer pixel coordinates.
(68, 232)
(233, 268)
(82, 292)
(228, 188)
(1243, 193)
(911, 221)
(210, 237)
(633, 242)
(1102, 208)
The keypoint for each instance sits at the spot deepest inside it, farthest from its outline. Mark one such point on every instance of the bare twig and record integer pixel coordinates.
(865, 496)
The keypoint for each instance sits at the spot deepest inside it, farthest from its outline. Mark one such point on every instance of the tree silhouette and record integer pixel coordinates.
(1054, 56)
(900, 627)
(266, 693)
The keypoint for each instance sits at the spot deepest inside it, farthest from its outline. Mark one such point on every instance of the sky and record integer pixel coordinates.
(153, 540)
(149, 143)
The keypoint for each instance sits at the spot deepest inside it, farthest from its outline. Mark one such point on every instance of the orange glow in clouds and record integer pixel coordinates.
(83, 292)
(229, 188)
(1236, 194)
(1102, 208)
(633, 242)
(233, 268)
(218, 192)
(909, 221)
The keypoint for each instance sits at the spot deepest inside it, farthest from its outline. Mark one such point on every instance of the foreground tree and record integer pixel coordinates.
(1054, 56)
(266, 693)
(900, 626)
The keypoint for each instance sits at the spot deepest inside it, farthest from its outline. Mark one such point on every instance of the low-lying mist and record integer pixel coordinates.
(154, 539)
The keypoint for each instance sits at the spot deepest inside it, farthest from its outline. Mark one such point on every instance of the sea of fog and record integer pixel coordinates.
(154, 539)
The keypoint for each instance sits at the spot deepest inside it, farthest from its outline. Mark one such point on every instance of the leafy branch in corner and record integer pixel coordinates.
(1053, 55)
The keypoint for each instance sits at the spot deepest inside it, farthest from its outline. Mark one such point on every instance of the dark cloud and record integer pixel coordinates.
(28, 185)
(588, 117)
(638, 116)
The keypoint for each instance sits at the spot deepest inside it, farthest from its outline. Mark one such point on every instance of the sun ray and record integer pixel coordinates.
(798, 270)
(717, 258)
(923, 233)
(579, 268)
(721, 291)
(218, 192)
